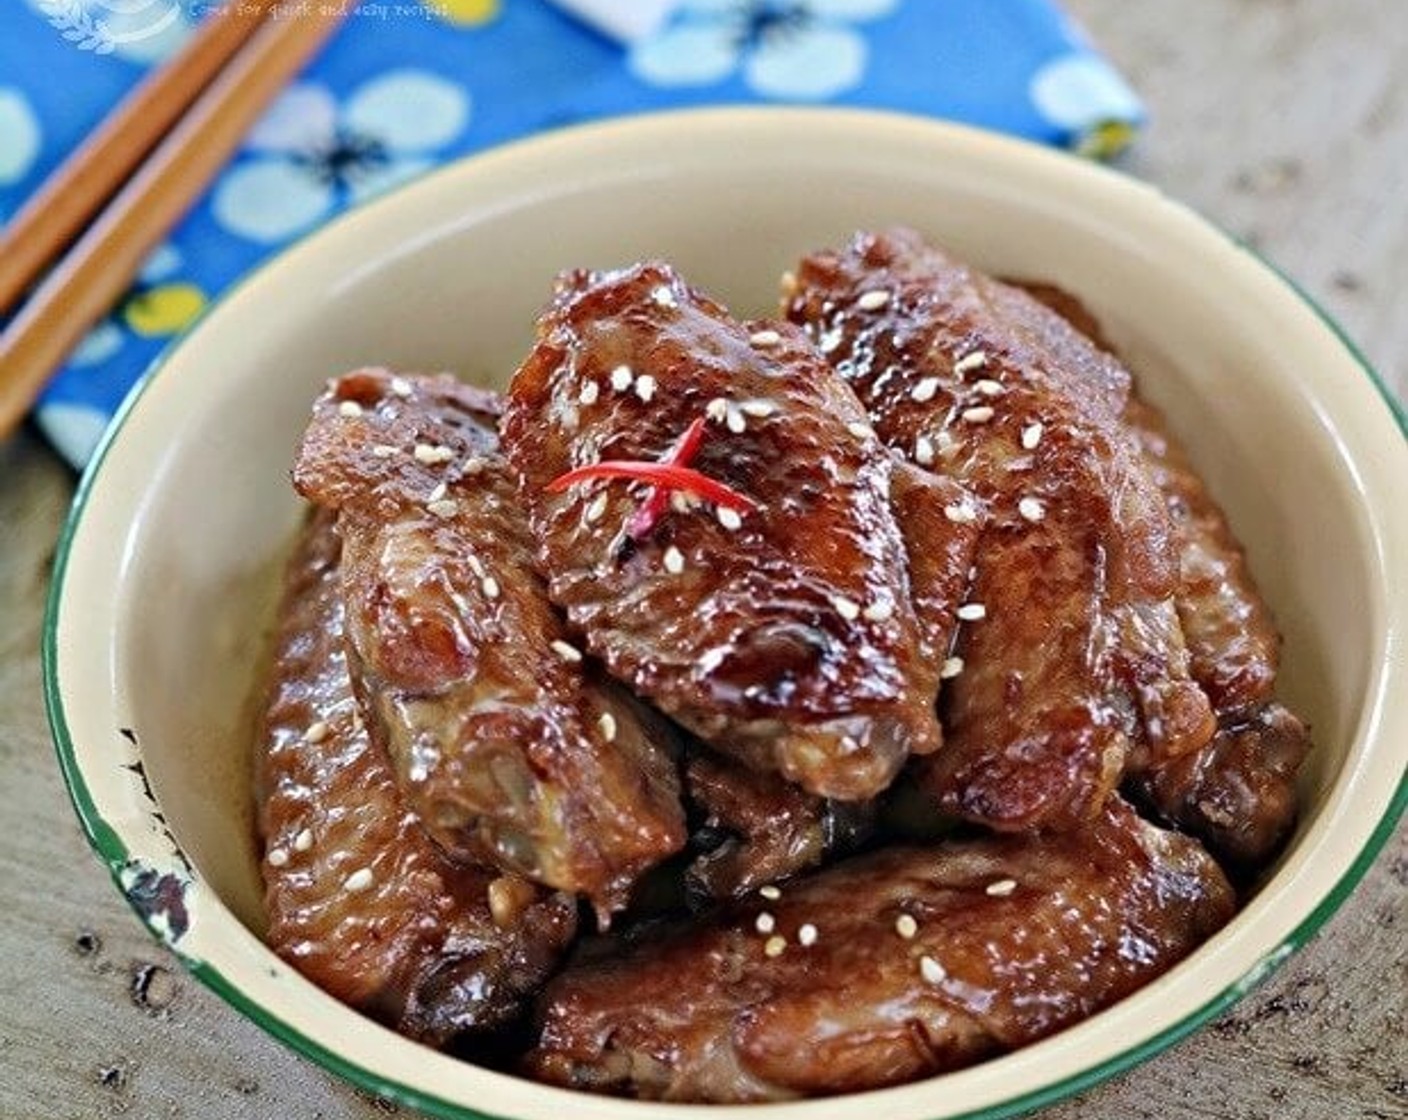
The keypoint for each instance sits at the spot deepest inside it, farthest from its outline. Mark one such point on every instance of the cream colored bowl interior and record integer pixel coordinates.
(169, 581)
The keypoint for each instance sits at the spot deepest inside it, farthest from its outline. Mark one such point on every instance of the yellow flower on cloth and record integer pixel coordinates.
(464, 13)
(156, 306)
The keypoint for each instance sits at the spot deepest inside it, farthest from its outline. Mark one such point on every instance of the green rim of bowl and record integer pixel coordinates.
(109, 847)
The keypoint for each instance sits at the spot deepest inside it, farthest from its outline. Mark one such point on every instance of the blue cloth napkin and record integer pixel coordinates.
(405, 86)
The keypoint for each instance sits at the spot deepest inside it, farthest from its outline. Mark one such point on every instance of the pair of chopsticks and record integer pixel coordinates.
(132, 181)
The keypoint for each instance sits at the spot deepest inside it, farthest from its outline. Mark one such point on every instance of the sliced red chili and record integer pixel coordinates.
(663, 475)
(644, 520)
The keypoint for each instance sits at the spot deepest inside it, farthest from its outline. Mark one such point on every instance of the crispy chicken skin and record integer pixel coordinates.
(1076, 666)
(768, 830)
(1024, 935)
(359, 899)
(513, 750)
(787, 638)
(1237, 794)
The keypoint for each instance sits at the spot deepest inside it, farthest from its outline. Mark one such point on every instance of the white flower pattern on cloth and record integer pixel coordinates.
(19, 135)
(800, 50)
(311, 155)
(1079, 91)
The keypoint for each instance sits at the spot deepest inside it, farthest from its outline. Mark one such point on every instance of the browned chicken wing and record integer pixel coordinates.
(359, 899)
(780, 628)
(1238, 792)
(765, 828)
(885, 968)
(510, 746)
(1071, 663)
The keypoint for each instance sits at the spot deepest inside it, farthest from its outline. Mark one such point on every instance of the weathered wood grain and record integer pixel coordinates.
(1285, 121)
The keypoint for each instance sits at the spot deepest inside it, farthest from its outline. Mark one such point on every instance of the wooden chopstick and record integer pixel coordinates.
(96, 271)
(80, 186)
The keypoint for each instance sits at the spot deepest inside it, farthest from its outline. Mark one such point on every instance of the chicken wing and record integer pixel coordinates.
(885, 968)
(779, 624)
(510, 745)
(765, 829)
(1237, 793)
(359, 899)
(1071, 663)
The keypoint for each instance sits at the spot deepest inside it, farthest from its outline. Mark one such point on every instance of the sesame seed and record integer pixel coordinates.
(736, 422)
(1031, 435)
(847, 609)
(770, 892)
(806, 934)
(400, 386)
(879, 612)
(566, 650)
(765, 338)
(607, 722)
(961, 514)
(758, 408)
(774, 946)
(597, 510)
(951, 668)
(932, 971)
(350, 409)
(972, 612)
(359, 880)
(969, 362)
(990, 388)
(444, 508)
(476, 566)
(277, 857)
(729, 519)
(663, 297)
(1001, 888)
(674, 560)
(924, 451)
(716, 409)
(474, 465)
(589, 392)
(850, 744)
(980, 415)
(437, 492)
(679, 501)
(384, 450)
(645, 387)
(303, 841)
(926, 390)
(906, 926)
(490, 587)
(317, 732)
(859, 430)
(946, 443)
(1031, 509)
(873, 300)
(765, 923)
(430, 453)
(621, 378)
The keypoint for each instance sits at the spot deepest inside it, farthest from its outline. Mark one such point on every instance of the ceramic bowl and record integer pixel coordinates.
(168, 568)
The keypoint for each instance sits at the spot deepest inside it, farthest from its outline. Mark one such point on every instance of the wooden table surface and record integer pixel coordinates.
(1286, 121)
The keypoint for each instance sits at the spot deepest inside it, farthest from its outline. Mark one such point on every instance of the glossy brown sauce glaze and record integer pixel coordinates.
(515, 750)
(785, 636)
(885, 968)
(359, 899)
(1073, 658)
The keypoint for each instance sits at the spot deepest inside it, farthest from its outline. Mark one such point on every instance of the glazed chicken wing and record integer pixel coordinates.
(775, 617)
(885, 968)
(1071, 661)
(511, 746)
(1237, 793)
(359, 899)
(765, 829)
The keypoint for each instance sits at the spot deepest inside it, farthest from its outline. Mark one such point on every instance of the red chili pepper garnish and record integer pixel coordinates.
(657, 474)
(644, 519)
